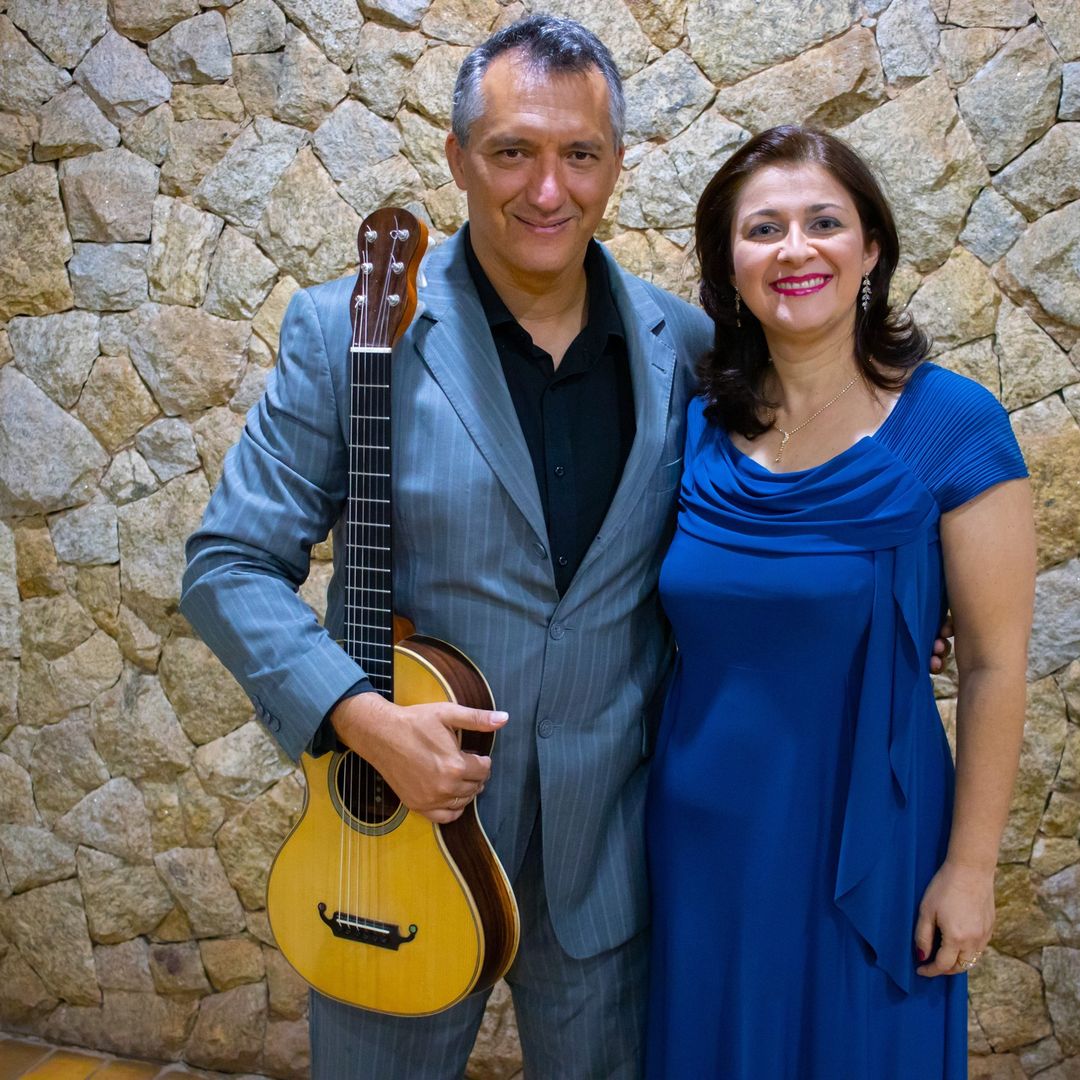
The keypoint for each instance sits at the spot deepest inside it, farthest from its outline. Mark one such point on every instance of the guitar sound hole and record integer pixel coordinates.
(363, 791)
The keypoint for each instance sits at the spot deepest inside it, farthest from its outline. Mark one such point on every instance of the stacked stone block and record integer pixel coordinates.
(171, 171)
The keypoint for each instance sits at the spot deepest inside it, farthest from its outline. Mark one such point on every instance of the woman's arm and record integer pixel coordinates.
(989, 551)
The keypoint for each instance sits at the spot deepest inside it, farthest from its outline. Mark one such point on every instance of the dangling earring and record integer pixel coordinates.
(738, 305)
(865, 293)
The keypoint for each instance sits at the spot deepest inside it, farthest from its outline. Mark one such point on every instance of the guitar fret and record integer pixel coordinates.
(379, 349)
(366, 446)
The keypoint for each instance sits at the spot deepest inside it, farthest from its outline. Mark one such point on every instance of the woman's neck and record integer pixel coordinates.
(803, 377)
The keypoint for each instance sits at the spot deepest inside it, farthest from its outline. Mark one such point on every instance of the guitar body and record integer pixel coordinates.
(371, 863)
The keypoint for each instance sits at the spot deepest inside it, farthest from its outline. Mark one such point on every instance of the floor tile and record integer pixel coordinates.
(128, 1070)
(65, 1065)
(16, 1057)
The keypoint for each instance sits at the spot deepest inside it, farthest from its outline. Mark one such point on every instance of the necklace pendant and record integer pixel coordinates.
(783, 443)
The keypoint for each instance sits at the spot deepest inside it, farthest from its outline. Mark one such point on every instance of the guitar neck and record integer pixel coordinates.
(390, 244)
(369, 586)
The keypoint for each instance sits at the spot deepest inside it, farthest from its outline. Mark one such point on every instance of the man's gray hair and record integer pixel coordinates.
(550, 44)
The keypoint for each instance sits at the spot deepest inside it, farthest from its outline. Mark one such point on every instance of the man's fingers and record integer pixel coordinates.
(441, 816)
(475, 719)
(475, 769)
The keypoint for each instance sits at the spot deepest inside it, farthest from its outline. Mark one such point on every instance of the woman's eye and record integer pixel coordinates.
(826, 224)
(764, 229)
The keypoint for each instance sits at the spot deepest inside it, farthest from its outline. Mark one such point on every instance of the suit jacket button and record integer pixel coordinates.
(545, 728)
(557, 630)
(539, 551)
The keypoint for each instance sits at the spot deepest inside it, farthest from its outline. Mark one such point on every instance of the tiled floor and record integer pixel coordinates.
(22, 1059)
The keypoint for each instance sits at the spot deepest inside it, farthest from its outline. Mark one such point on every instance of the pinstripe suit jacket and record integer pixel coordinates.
(579, 675)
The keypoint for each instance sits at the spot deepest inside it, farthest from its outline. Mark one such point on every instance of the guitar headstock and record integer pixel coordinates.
(391, 242)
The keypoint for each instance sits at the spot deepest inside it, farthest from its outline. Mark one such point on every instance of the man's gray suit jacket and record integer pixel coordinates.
(579, 675)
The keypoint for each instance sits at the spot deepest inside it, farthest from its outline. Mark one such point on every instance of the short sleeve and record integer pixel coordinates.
(957, 437)
(696, 424)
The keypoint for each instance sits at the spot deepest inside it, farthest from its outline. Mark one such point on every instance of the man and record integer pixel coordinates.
(539, 399)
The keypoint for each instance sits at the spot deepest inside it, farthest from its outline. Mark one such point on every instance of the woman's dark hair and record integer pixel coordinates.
(732, 373)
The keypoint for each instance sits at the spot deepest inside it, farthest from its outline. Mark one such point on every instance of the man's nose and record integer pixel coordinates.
(547, 190)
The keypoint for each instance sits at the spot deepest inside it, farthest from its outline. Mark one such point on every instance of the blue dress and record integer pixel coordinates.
(801, 793)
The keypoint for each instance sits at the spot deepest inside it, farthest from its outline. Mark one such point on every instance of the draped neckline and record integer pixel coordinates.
(743, 460)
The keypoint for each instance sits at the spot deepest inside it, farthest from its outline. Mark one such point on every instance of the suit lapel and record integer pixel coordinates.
(454, 340)
(652, 368)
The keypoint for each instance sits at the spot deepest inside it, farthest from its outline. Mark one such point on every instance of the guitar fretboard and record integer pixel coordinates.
(369, 591)
(390, 243)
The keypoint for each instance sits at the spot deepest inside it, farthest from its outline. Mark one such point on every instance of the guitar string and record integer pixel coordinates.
(383, 395)
(354, 766)
(372, 388)
(343, 871)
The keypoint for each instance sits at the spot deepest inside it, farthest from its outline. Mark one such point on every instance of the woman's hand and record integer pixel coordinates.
(958, 906)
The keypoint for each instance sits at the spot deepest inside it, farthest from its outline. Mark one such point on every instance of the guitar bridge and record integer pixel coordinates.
(366, 931)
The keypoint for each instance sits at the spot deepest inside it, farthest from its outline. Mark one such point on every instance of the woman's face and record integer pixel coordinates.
(799, 253)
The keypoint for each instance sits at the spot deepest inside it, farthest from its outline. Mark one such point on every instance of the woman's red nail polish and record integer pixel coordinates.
(921, 955)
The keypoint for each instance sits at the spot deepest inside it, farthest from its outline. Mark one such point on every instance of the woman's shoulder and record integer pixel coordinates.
(954, 434)
(933, 391)
(933, 383)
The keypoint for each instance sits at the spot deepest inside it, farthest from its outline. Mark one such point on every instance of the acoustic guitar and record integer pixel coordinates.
(372, 904)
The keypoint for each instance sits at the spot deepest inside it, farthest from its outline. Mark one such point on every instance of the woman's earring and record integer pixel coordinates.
(738, 304)
(865, 294)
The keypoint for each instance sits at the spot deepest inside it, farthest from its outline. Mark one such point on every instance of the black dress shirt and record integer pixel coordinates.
(577, 419)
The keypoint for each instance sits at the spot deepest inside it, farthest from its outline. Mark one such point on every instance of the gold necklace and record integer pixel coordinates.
(787, 434)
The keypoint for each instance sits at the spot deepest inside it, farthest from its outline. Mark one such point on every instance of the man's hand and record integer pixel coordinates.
(416, 749)
(942, 646)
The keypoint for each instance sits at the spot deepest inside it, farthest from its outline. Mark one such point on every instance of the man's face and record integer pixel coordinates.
(538, 170)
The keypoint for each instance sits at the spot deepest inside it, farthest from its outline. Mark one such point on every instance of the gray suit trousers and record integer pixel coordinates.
(577, 1019)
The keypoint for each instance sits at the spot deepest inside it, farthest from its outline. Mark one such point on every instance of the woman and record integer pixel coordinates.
(820, 886)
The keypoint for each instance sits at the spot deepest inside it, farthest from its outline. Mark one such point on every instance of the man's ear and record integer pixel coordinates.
(455, 158)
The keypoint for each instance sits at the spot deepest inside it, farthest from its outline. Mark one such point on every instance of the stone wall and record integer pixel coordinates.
(171, 171)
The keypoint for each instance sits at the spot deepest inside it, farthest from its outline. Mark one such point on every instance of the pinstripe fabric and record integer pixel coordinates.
(577, 674)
